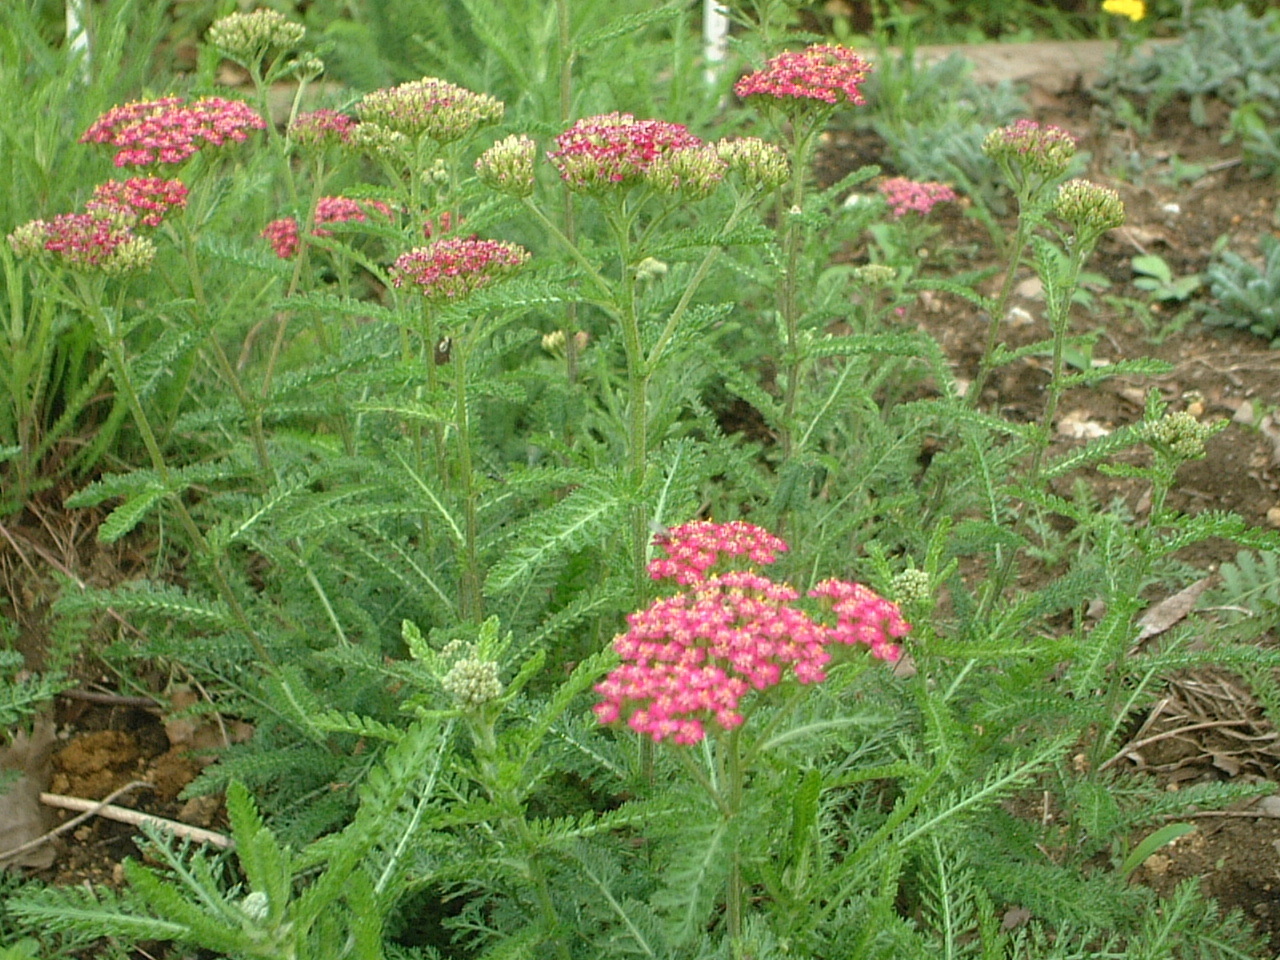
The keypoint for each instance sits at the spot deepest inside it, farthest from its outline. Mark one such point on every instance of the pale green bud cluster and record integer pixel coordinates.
(432, 108)
(1179, 435)
(650, 268)
(255, 905)
(375, 139)
(875, 274)
(910, 586)
(472, 682)
(247, 37)
(693, 172)
(507, 166)
(28, 240)
(130, 256)
(1090, 209)
(759, 165)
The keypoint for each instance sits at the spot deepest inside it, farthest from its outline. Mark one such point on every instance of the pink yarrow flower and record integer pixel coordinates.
(169, 131)
(615, 150)
(454, 267)
(283, 234)
(86, 242)
(822, 73)
(907, 196)
(142, 200)
(321, 128)
(690, 658)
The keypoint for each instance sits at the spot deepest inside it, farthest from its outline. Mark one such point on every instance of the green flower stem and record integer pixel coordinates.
(111, 339)
(733, 771)
(788, 299)
(471, 598)
(480, 723)
(1020, 239)
(699, 275)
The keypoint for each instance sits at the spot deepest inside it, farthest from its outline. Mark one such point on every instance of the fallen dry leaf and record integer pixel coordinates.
(1170, 610)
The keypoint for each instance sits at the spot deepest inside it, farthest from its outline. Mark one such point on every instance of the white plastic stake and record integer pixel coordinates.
(715, 39)
(78, 37)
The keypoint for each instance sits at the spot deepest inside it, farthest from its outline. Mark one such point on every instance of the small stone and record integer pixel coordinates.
(1273, 517)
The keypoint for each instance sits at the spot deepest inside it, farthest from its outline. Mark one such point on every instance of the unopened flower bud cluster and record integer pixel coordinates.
(246, 37)
(1089, 208)
(430, 107)
(757, 164)
(1180, 434)
(507, 166)
(472, 682)
(911, 586)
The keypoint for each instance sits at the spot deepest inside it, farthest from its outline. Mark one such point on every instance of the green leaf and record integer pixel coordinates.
(1151, 843)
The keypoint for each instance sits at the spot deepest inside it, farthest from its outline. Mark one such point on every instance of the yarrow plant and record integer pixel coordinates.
(169, 130)
(247, 37)
(690, 658)
(1030, 154)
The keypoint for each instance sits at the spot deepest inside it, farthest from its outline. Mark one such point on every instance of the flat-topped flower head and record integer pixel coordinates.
(615, 150)
(86, 242)
(1026, 149)
(757, 164)
(432, 108)
(1135, 10)
(142, 201)
(688, 660)
(454, 267)
(911, 196)
(507, 166)
(1091, 210)
(169, 131)
(248, 37)
(321, 128)
(693, 549)
(823, 74)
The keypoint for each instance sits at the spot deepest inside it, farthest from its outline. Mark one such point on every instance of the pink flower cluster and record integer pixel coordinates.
(168, 130)
(85, 241)
(694, 548)
(690, 658)
(140, 200)
(823, 72)
(615, 149)
(454, 267)
(282, 234)
(321, 128)
(905, 195)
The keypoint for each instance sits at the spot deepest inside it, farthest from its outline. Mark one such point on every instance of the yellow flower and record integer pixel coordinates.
(1135, 10)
